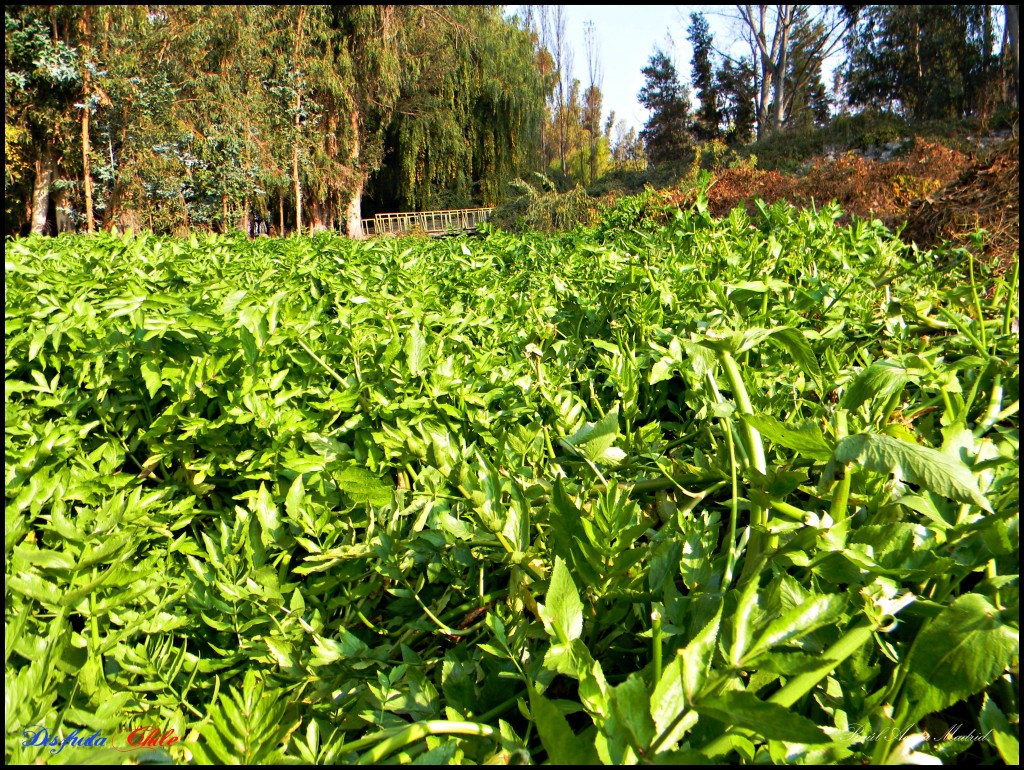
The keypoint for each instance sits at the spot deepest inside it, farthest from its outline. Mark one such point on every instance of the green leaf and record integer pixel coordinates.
(595, 439)
(743, 622)
(799, 621)
(562, 611)
(563, 746)
(932, 469)
(151, 376)
(415, 350)
(698, 655)
(662, 370)
(268, 515)
(631, 704)
(669, 701)
(793, 342)
(959, 653)
(363, 487)
(806, 440)
(880, 380)
(294, 501)
(994, 722)
(769, 720)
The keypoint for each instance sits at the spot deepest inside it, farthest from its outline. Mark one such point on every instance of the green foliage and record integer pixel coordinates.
(925, 62)
(541, 208)
(202, 118)
(709, 116)
(666, 133)
(662, 489)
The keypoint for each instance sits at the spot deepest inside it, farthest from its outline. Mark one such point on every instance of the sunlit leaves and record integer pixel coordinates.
(932, 469)
(596, 440)
(962, 650)
(390, 483)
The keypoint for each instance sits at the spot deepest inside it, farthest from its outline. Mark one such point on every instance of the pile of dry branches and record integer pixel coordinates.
(986, 196)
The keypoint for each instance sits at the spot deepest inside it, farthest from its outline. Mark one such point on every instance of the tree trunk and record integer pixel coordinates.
(224, 226)
(90, 222)
(298, 125)
(295, 169)
(773, 62)
(243, 220)
(62, 223)
(785, 21)
(354, 210)
(316, 221)
(354, 213)
(763, 97)
(41, 190)
(280, 213)
(329, 210)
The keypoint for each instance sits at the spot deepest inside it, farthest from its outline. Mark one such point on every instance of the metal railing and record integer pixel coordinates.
(430, 222)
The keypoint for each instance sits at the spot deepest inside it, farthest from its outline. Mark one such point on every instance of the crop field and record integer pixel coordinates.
(667, 489)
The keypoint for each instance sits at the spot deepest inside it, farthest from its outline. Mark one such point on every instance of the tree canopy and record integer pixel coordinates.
(666, 133)
(218, 116)
(301, 118)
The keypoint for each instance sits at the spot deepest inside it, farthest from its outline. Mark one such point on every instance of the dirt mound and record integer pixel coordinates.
(985, 196)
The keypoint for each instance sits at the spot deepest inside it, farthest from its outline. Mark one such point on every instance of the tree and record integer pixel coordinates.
(183, 117)
(772, 58)
(563, 56)
(808, 100)
(592, 98)
(737, 86)
(709, 117)
(42, 84)
(770, 32)
(923, 61)
(627, 150)
(666, 134)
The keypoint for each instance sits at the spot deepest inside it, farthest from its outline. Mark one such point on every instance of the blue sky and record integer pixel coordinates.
(627, 36)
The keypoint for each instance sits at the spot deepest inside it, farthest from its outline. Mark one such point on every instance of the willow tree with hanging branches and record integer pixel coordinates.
(470, 113)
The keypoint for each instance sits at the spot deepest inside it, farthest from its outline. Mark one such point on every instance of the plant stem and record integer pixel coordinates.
(391, 740)
(974, 296)
(1011, 303)
(656, 644)
(755, 452)
(800, 685)
(730, 562)
(841, 495)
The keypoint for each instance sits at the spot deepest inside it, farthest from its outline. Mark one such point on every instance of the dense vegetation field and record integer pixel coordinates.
(667, 489)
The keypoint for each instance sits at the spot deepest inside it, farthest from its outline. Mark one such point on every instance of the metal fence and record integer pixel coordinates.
(430, 222)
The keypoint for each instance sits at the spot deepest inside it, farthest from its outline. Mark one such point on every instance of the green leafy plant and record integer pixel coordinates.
(666, 489)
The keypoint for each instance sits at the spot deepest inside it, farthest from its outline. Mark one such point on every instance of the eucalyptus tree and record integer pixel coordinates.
(42, 82)
(367, 46)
